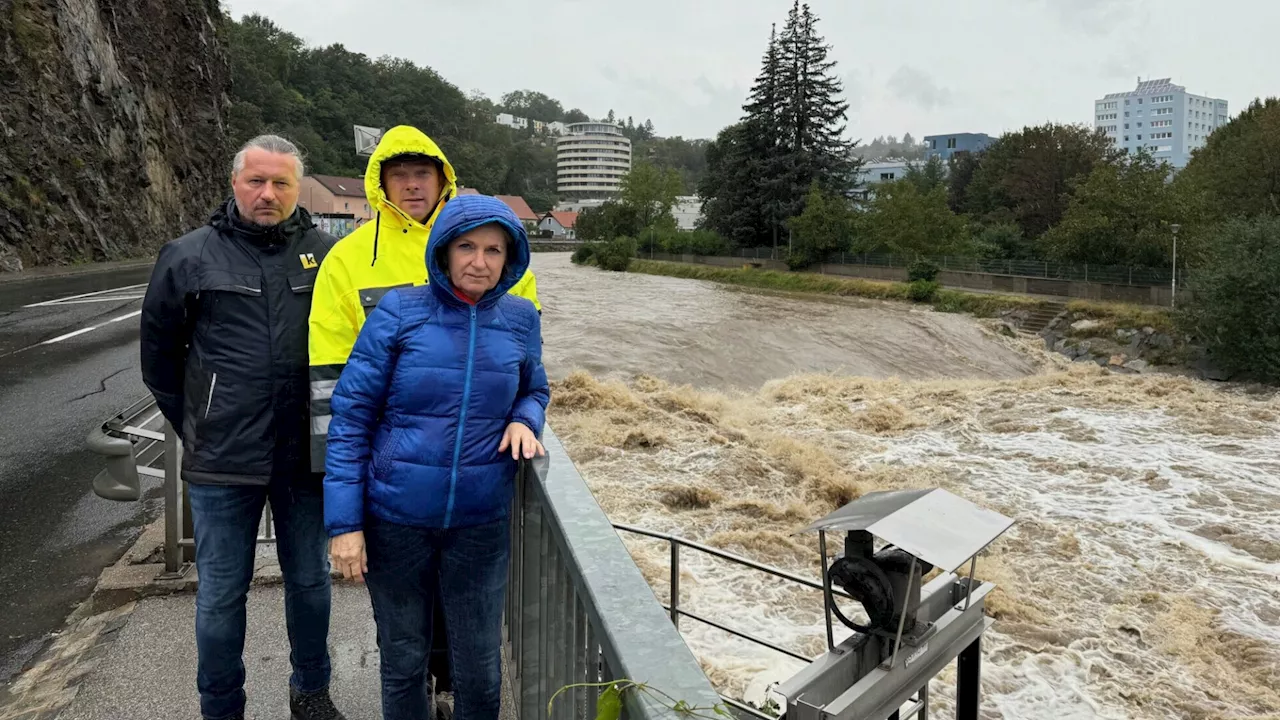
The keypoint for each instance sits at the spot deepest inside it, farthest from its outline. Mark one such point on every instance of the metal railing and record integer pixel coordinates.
(133, 442)
(1037, 269)
(578, 609)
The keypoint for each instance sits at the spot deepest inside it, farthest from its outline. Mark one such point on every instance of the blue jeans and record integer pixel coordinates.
(470, 566)
(226, 519)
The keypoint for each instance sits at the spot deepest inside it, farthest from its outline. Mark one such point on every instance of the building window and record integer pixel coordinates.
(1126, 138)
(1126, 113)
(884, 177)
(1139, 124)
(933, 144)
(1139, 137)
(951, 143)
(1139, 101)
(1126, 126)
(346, 206)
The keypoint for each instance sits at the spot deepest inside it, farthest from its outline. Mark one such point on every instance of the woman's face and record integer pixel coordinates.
(476, 260)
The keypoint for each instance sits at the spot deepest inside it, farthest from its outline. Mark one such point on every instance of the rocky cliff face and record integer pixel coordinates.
(112, 137)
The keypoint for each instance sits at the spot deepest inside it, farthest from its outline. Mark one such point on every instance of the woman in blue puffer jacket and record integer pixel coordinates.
(443, 393)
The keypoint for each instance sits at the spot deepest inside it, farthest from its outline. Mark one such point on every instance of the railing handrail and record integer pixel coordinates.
(635, 637)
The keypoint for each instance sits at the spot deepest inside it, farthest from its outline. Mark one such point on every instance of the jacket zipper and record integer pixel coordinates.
(208, 404)
(462, 418)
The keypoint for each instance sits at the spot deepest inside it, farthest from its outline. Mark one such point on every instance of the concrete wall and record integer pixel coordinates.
(983, 282)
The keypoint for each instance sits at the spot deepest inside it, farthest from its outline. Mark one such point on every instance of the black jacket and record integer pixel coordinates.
(224, 346)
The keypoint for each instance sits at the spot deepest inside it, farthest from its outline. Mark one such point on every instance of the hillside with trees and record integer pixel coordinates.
(314, 95)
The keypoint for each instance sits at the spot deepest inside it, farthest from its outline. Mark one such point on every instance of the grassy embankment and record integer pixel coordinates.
(979, 304)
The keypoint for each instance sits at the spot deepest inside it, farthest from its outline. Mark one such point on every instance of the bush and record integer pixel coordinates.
(1235, 310)
(798, 261)
(616, 255)
(584, 255)
(922, 290)
(922, 270)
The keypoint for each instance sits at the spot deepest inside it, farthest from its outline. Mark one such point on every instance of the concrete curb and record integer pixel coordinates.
(140, 573)
(46, 272)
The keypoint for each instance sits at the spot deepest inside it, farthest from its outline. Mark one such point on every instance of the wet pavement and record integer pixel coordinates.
(148, 670)
(66, 364)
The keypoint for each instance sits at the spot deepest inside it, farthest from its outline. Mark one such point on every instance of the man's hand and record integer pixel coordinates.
(522, 442)
(347, 553)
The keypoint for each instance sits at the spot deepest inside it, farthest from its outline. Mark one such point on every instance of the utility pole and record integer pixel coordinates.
(1173, 299)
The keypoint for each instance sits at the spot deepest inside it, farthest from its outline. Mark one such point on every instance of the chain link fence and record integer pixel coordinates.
(1114, 274)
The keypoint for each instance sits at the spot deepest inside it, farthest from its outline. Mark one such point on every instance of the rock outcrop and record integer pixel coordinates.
(112, 125)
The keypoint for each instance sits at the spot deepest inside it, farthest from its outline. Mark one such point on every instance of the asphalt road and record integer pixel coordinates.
(66, 364)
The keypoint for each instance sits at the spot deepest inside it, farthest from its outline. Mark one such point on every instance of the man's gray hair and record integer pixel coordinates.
(270, 143)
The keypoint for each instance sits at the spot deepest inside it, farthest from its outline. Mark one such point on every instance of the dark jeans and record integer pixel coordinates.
(226, 527)
(470, 567)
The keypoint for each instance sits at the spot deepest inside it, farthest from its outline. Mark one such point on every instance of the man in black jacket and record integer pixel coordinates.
(224, 351)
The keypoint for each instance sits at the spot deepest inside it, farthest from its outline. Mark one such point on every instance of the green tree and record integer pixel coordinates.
(531, 104)
(823, 229)
(927, 175)
(1237, 172)
(903, 221)
(1027, 176)
(1119, 215)
(1235, 306)
(650, 191)
(759, 171)
(576, 116)
(961, 168)
(611, 220)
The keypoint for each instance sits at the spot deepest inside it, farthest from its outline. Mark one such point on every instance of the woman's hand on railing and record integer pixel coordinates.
(523, 443)
(347, 554)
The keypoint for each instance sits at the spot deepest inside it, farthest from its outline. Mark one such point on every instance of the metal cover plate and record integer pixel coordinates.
(933, 525)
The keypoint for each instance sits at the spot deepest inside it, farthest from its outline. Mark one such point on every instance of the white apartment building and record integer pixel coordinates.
(1162, 117)
(591, 159)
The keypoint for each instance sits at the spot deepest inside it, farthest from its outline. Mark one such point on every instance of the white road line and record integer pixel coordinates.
(86, 301)
(91, 328)
(84, 295)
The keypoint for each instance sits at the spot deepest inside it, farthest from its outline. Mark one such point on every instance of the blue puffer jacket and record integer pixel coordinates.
(429, 389)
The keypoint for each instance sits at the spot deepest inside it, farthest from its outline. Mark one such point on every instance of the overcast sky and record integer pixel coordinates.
(920, 66)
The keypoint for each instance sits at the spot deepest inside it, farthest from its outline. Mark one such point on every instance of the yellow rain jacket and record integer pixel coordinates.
(385, 253)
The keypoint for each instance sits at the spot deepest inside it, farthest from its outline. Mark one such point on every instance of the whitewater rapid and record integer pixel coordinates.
(1142, 577)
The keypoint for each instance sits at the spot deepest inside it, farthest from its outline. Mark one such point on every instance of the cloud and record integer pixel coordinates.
(916, 87)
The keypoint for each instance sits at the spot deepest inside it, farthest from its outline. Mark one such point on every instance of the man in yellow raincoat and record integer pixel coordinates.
(407, 181)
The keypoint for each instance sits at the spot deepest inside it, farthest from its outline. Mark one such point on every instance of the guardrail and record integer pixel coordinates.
(133, 442)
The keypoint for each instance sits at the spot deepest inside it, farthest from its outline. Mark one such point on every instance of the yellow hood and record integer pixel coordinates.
(405, 140)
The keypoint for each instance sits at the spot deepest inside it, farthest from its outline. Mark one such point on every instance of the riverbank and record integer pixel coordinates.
(1127, 338)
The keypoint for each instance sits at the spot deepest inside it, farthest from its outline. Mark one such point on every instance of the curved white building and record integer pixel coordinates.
(591, 160)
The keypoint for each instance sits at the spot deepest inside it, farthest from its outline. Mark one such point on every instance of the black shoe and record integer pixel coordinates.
(312, 706)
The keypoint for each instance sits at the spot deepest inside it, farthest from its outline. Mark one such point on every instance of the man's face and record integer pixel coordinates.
(413, 186)
(267, 187)
(476, 260)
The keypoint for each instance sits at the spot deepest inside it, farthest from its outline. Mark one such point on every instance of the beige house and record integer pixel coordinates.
(334, 195)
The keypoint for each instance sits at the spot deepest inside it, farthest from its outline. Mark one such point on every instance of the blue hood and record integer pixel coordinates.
(463, 214)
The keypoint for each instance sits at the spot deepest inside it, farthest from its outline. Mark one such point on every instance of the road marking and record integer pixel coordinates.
(86, 301)
(91, 328)
(59, 301)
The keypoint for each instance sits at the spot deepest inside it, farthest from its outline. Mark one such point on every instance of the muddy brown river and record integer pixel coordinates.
(1142, 577)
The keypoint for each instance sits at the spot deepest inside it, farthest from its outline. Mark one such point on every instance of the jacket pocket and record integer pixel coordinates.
(235, 283)
(382, 462)
(370, 297)
(304, 282)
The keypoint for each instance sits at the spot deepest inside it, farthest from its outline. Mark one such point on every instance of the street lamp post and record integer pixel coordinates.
(1173, 299)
